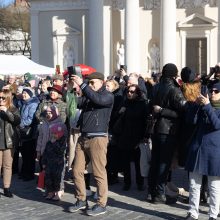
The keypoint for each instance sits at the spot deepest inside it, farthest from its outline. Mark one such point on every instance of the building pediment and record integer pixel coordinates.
(66, 31)
(197, 20)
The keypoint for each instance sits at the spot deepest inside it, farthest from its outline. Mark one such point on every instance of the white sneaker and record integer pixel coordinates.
(88, 193)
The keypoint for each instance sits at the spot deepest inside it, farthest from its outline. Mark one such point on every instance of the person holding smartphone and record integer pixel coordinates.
(204, 153)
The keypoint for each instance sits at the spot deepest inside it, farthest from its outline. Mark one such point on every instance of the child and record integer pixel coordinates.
(53, 160)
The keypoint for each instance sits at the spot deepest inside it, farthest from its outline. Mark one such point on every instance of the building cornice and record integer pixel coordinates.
(187, 4)
(53, 5)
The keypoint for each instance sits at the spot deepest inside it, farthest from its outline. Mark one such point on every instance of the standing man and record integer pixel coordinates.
(96, 104)
(168, 103)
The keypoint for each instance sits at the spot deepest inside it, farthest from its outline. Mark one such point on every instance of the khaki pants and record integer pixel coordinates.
(91, 150)
(6, 159)
(74, 135)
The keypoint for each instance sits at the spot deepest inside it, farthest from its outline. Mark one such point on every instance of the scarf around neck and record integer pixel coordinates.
(215, 104)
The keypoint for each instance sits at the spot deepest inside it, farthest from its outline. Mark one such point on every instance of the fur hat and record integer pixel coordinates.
(188, 75)
(29, 91)
(96, 75)
(170, 70)
(57, 129)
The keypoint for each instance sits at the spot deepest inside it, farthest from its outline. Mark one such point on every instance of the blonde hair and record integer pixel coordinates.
(114, 82)
(8, 98)
(191, 91)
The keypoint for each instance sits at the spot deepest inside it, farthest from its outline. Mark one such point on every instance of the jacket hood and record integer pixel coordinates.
(31, 100)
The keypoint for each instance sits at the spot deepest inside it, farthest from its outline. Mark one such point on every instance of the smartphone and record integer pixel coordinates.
(74, 70)
(204, 90)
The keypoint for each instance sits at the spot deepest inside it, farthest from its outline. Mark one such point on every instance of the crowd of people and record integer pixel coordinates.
(97, 128)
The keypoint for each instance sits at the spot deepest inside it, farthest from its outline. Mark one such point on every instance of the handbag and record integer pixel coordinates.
(40, 183)
(145, 158)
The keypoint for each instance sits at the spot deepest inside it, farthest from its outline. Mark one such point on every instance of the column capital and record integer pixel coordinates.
(51, 5)
(155, 4)
(118, 4)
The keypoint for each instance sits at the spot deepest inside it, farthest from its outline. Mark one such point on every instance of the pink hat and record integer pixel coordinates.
(57, 129)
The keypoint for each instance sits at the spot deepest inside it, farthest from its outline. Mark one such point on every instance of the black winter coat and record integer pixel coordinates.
(168, 95)
(134, 124)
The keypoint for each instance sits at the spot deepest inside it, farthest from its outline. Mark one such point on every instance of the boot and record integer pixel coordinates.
(8, 193)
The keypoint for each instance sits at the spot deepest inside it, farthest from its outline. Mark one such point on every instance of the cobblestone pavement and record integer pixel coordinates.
(28, 203)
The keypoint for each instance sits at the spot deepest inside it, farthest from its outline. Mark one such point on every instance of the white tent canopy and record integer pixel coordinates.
(19, 65)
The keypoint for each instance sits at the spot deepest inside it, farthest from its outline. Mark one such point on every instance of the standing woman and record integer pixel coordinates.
(9, 119)
(133, 127)
(27, 131)
(204, 154)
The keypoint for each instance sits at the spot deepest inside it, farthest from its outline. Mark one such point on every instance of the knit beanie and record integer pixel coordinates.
(188, 75)
(215, 85)
(169, 70)
(29, 91)
(57, 129)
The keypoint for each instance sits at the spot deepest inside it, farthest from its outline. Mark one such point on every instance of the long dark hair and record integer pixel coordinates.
(137, 90)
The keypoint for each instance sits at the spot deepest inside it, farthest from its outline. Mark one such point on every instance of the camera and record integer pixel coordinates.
(124, 67)
(215, 69)
(74, 70)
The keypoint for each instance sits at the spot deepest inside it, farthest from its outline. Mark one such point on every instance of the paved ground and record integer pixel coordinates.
(29, 204)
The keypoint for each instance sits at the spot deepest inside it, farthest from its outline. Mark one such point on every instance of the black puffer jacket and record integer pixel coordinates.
(96, 110)
(168, 95)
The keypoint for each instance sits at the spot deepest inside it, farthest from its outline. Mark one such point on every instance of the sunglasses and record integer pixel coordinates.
(216, 91)
(2, 98)
(92, 82)
(131, 91)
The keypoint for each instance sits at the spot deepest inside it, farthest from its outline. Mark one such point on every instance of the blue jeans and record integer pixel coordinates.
(163, 147)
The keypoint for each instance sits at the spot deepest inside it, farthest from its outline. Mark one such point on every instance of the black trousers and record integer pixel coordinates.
(163, 147)
(127, 156)
(28, 153)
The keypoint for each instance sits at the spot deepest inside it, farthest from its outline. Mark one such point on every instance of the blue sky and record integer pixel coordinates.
(6, 2)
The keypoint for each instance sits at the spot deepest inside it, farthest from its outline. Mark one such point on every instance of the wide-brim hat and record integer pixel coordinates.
(56, 88)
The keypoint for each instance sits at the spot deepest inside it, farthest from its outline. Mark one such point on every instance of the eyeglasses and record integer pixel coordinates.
(216, 91)
(2, 98)
(131, 91)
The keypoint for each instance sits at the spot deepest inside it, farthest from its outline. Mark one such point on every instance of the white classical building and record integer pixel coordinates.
(143, 34)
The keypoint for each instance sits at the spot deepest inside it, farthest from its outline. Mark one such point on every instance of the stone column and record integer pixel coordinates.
(99, 36)
(168, 32)
(218, 5)
(132, 38)
(35, 36)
